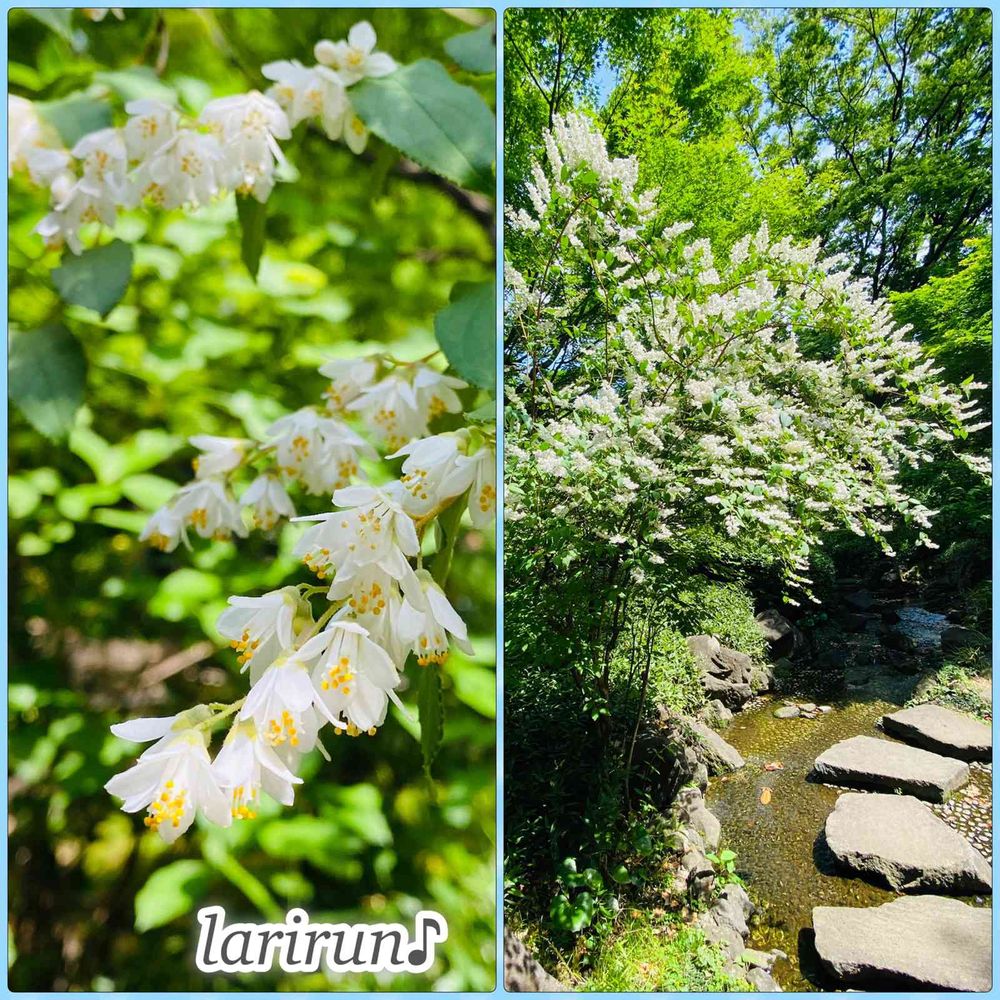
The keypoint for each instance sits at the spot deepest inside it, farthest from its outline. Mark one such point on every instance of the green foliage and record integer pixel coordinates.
(101, 625)
(476, 50)
(649, 954)
(46, 377)
(466, 331)
(95, 279)
(439, 124)
(253, 220)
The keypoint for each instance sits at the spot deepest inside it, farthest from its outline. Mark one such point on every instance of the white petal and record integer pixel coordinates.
(362, 36)
(379, 64)
(143, 730)
(445, 613)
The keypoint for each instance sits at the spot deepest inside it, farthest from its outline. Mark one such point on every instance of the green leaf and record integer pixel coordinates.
(182, 592)
(253, 215)
(47, 369)
(170, 892)
(96, 279)
(218, 855)
(137, 83)
(147, 491)
(476, 50)
(465, 329)
(435, 121)
(75, 116)
(60, 20)
(431, 709)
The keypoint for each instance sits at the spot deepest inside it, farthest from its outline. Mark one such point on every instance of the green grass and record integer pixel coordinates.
(646, 954)
(954, 684)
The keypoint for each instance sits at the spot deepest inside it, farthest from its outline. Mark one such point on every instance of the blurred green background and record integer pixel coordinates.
(359, 254)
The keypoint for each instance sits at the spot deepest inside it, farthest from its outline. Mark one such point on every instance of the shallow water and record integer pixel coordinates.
(780, 851)
(776, 847)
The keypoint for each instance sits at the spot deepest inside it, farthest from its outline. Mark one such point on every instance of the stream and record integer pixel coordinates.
(780, 855)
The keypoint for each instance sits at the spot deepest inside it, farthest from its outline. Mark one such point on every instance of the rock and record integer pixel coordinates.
(762, 679)
(700, 874)
(762, 981)
(782, 637)
(942, 730)
(917, 942)
(715, 712)
(860, 600)
(807, 706)
(734, 908)
(824, 709)
(899, 641)
(890, 616)
(897, 840)
(690, 811)
(725, 673)
(956, 637)
(867, 762)
(720, 756)
(754, 959)
(787, 712)
(722, 934)
(521, 971)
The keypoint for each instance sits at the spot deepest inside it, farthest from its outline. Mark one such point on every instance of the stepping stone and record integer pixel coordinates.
(917, 942)
(942, 730)
(882, 765)
(898, 841)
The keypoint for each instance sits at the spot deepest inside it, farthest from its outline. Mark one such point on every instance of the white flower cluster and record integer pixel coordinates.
(341, 668)
(695, 393)
(164, 159)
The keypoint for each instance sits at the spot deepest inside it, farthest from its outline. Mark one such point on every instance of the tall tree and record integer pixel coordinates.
(889, 113)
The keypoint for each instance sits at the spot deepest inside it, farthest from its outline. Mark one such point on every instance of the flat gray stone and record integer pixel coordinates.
(886, 766)
(916, 942)
(721, 756)
(787, 712)
(896, 840)
(942, 730)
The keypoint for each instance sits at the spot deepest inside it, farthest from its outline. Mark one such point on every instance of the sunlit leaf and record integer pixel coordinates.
(47, 368)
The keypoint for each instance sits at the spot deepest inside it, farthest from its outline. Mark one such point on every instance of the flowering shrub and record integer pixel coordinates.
(660, 392)
(164, 159)
(341, 667)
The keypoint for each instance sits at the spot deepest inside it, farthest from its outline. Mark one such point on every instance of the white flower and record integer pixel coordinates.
(172, 780)
(270, 501)
(392, 411)
(373, 529)
(184, 171)
(428, 472)
(100, 13)
(353, 678)
(355, 132)
(373, 597)
(245, 765)
(478, 471)
(308, 93)
(356, 58)
(425, 621)
(260, 628)
(249, 126)
(209, 508)
(31, 144)
(75, 203)
(321, 452)
(151, 126)
(280, 703)
(436, 392)
(219, 454)
(164, 529)
(105, 163)
(347, 379)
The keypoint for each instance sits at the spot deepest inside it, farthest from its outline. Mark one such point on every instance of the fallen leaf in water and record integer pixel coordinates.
(765, 797)
(774, 765)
